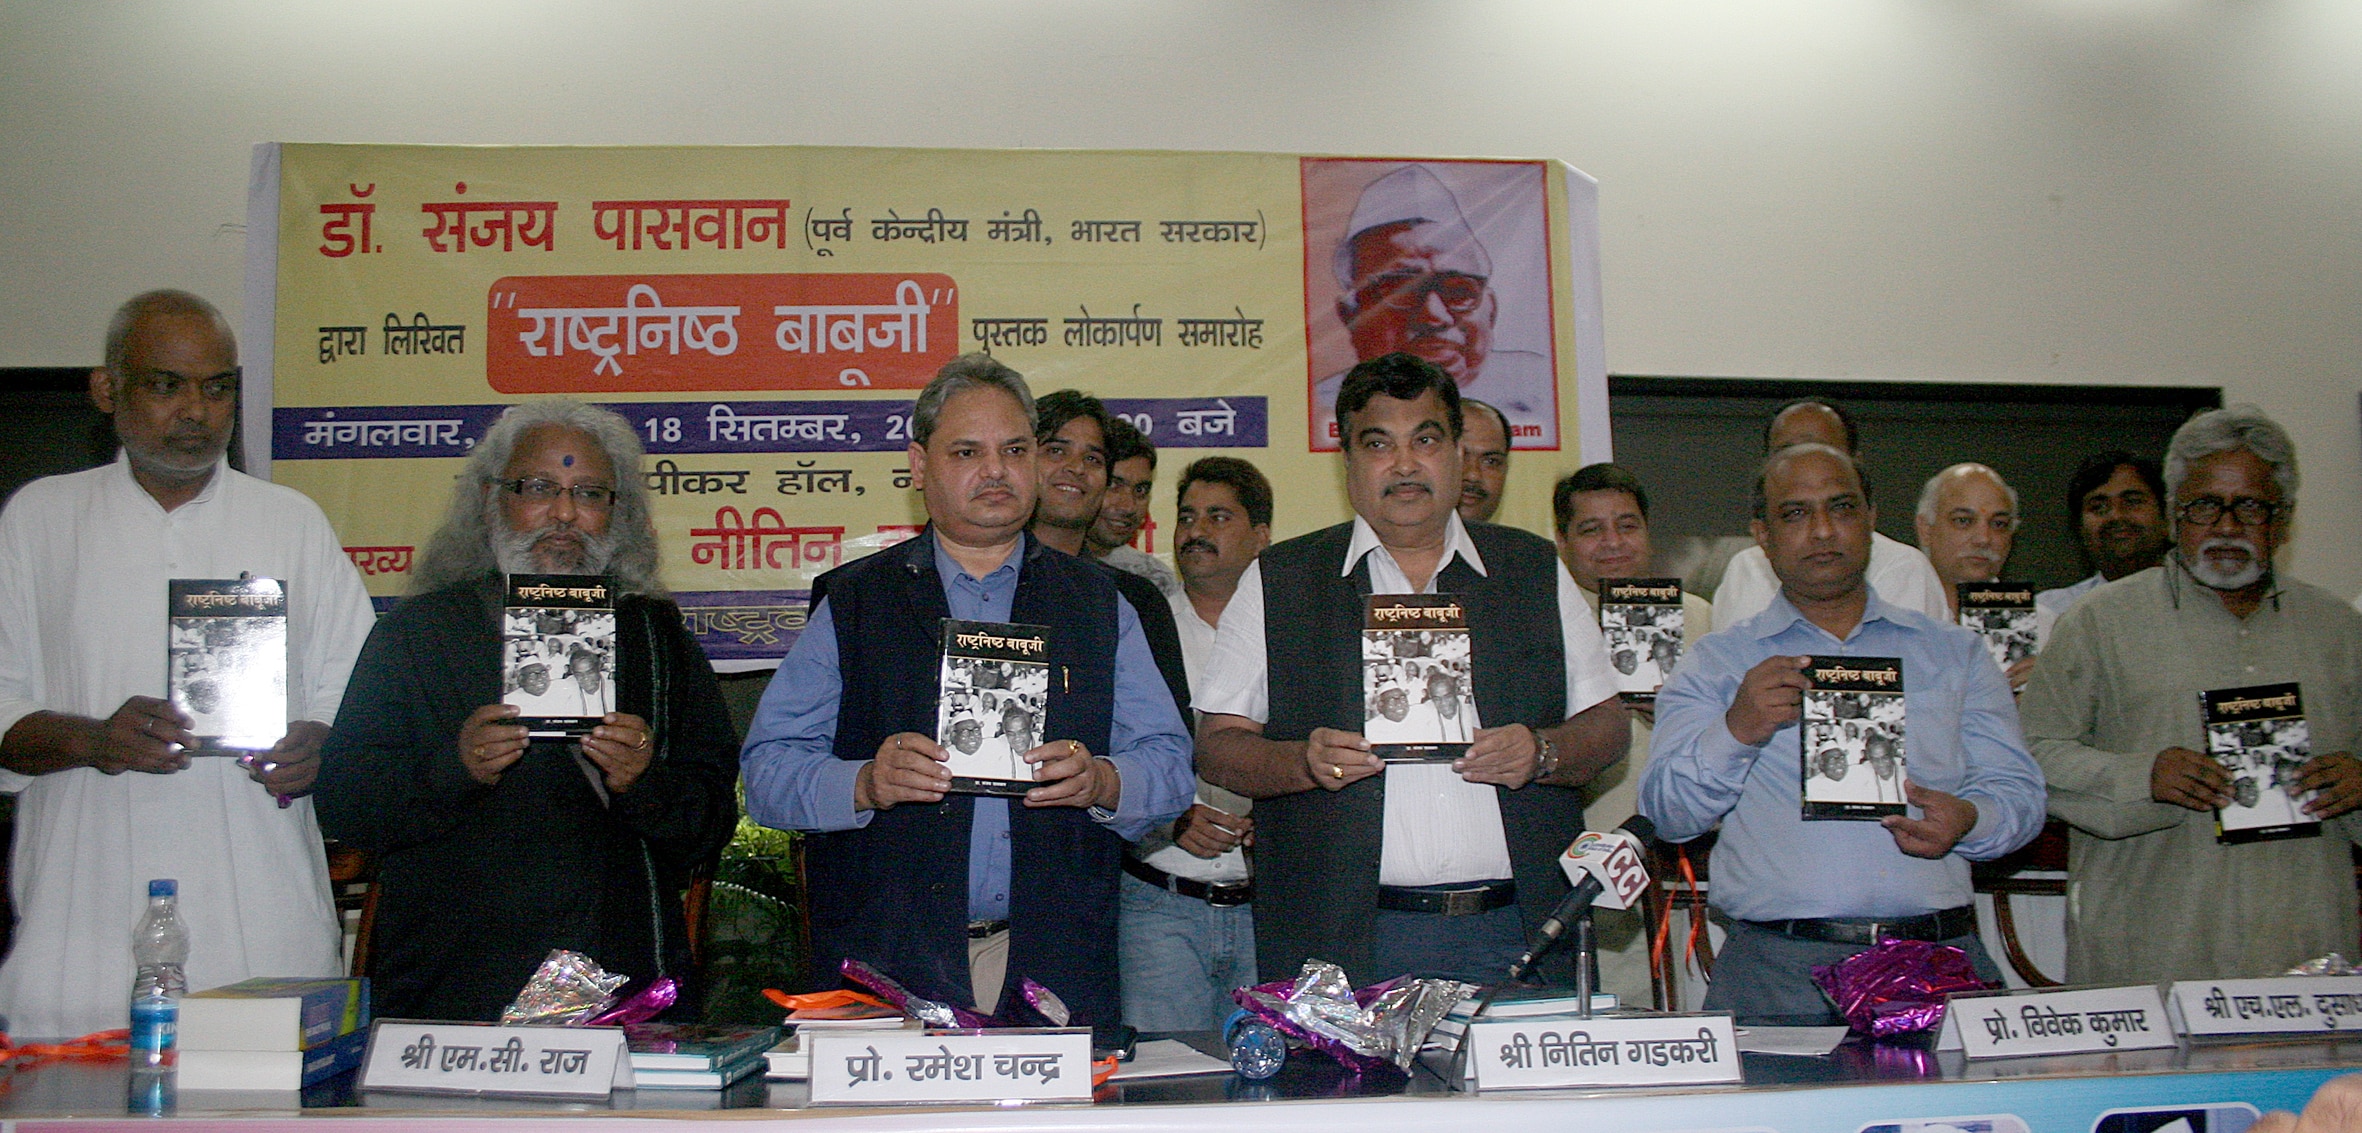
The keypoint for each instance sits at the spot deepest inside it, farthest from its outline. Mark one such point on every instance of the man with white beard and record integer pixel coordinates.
(492, 847)
(2112, 715)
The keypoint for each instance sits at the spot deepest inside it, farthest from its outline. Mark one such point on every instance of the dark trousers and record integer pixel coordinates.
(1766, 978)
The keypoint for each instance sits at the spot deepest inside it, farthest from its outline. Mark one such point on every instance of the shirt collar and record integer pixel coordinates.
(1783, 615)
(205, 495)
(948, 568)
(1455, 542)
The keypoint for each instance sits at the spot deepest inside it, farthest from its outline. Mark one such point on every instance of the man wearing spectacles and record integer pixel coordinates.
(1416, 279)
(84, 561)
(2112, 714)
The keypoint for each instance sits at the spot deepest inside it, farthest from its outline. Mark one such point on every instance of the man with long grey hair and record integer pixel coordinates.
(2112, 714)
(493, 847)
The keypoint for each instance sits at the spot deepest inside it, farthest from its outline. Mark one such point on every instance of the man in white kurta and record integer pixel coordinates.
(84, 559)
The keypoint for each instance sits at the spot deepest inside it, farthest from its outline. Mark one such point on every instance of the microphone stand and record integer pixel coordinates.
(1586, 964)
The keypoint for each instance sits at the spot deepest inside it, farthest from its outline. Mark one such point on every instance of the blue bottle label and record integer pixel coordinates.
(155, 1025)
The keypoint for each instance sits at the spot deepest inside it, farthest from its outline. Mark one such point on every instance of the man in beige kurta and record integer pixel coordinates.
(2112, 715)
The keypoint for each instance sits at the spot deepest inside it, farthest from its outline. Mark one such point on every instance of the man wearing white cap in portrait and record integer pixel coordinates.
(1415, 278)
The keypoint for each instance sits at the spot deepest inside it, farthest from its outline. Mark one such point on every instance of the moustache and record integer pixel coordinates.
(992, 485)
(1408, 482)
(1475, 491)
(1189, 545)
(2228, 543)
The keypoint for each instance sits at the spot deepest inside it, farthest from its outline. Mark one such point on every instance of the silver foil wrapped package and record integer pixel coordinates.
(1380, 1025)
(2333, 964)
(898, 997)
(568, 988)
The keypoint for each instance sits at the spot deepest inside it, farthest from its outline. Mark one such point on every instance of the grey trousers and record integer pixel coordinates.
(1766, 978)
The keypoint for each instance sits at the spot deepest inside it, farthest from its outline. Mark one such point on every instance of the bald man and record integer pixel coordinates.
(1899, 573)
(1967, 519)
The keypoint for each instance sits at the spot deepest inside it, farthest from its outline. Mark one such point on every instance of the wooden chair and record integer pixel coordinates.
(1668, 893)
(2003, 878)
(352, 878)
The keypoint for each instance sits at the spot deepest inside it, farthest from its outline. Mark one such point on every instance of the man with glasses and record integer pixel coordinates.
(1416, 279)
(84, 561)
(494, 847)
(2112, 713)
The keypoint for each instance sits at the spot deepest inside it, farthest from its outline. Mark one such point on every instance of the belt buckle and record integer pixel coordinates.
(1464, 902)
(1226, 896)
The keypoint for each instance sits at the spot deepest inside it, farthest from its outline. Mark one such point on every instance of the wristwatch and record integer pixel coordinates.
(1545, 763)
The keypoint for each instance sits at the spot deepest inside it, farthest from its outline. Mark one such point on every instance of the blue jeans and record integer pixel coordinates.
(1180, 957)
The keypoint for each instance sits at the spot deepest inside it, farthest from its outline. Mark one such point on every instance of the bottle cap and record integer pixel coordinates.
(163, 887)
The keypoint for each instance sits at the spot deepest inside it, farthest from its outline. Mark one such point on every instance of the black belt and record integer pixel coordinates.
(1219, 896)
(1483, 897)
(978, 930)
(1944, 925)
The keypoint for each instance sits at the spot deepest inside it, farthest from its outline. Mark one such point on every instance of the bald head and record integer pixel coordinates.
(1967, 521)
(1810, 423)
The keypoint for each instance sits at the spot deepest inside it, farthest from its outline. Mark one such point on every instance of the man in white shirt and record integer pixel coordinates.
(1123, 511)
(1900, 574)
(1186, 923)
(2116, 505)
(1484, 460)
(1429, 868)
(1967, 523)
(84, 561)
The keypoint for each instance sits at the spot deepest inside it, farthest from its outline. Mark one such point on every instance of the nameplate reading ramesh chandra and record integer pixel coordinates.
(889, 1067)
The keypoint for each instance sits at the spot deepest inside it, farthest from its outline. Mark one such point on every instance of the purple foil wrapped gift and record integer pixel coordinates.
(1897, 987)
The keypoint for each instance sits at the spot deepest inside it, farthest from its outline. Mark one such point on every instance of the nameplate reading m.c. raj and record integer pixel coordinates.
(2280, 1005)
(478, 1058)
(1633, 1050)
(885, 1067)
(2067, 1021)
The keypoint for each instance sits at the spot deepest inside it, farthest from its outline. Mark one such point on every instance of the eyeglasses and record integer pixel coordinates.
(1408, 290)
(597, 497)
(164, 385)
(2206, 511)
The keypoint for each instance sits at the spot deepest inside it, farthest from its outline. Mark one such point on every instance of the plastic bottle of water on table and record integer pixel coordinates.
(160, 946)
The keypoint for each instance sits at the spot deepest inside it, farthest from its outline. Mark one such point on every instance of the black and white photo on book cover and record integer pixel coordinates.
(1641, 620)
(2259, 736)
(1852, 738)
(226, 661)
(2003, 614)
(992, 703)
(1418, 705)
(558, 652)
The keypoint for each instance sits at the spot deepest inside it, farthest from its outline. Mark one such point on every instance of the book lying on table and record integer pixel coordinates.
(2003, 614)
(1852, 738)
(992, 702)
(202, 1069)
(557, 652)
(694, 1046)
(226, 660)
(2259, 736)
(1418, 705)
(274, 1013)
(1641, 621)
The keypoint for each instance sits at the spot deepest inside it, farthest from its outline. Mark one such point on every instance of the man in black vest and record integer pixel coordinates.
(1391, 869)
(843, 744)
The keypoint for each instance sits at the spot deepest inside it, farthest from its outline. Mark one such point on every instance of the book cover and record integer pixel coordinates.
(694, 1046)
(992, 702)
(2003, 614)
(1417, 702)
(1642, 622)
(713, 1078)
(557, 658)
(274, 1013)
(226, 661)
(271, 1069)
(1852, 738)
(2259, 736)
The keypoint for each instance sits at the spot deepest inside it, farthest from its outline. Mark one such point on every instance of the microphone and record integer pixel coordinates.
(1607, 869)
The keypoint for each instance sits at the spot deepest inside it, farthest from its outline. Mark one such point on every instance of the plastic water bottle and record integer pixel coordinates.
(1257, 1051)
(160, 946)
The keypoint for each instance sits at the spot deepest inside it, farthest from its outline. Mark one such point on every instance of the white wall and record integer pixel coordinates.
(2089, 191)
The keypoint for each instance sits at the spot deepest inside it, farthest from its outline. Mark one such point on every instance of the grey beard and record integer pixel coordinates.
(513, 551)
(2217, 579)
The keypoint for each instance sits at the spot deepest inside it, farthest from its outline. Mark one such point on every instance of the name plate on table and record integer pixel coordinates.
(2281, 1005)
(886, 1067)
(1630, 1050)
(478, 1058)
(2073, 1021)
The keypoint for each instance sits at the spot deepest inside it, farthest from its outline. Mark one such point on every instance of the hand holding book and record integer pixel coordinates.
(1944, 820)
(145, 734)
(908, 768)
(621, 746)
(2335, 781)
(1337, 759)
(2185, 778)
(1071, 776)
(1771, 697)
(490, 741)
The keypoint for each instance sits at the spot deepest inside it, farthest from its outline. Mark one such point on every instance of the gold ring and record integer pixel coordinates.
(643, 744)
(479, 751)
(1074, 747)
(1337, 769)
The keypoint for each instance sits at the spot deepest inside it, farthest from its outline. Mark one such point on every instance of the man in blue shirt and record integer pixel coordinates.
(1794, 893)
(843, 745)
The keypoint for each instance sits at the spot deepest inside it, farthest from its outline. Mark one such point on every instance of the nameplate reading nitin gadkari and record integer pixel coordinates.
(2279, 1005)
(890, 1067)
(1637, 1050)
(2069, 1021)
(481, 1059)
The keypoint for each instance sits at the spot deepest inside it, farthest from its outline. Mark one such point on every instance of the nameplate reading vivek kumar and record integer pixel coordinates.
(2072, 1021)
(887, 1067)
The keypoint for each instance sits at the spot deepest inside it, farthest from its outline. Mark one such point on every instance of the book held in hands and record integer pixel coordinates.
(1641, 620)
(2259, 736)
(992, 702)
(1417, 702)
(226, 661)
(557, 646)
(2003, 614)
(1851, 737)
